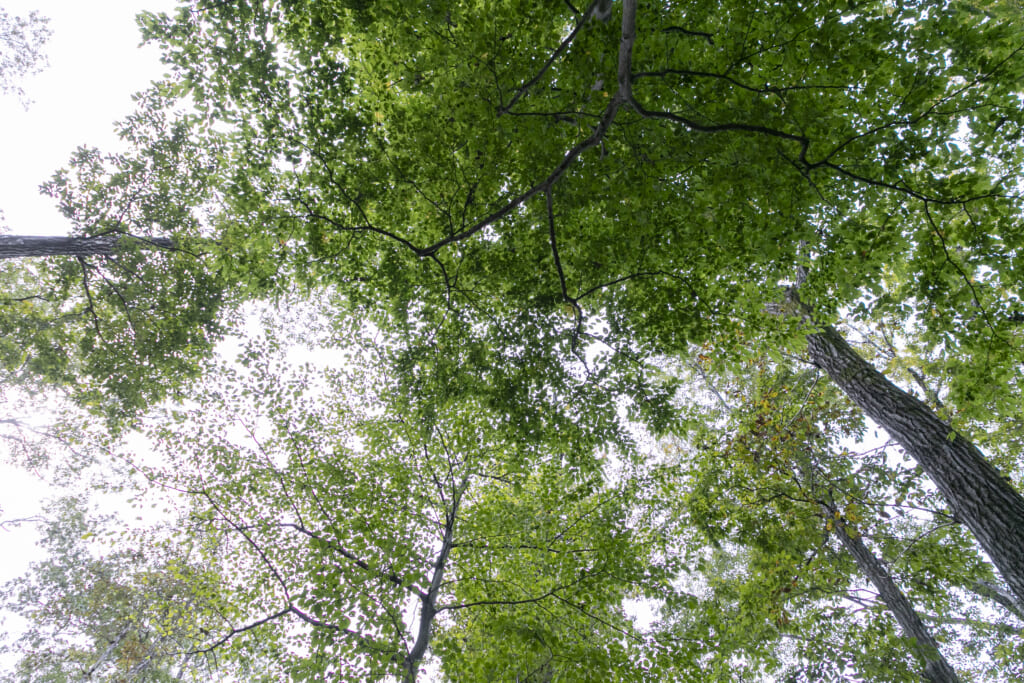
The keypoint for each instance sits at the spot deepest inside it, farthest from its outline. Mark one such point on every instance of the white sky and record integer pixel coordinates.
(95, 66)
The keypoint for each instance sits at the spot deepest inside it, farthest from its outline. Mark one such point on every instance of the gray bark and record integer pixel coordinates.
(428, 602)
(997, 594)
(936, 668)
(977, 494)
(20, 246)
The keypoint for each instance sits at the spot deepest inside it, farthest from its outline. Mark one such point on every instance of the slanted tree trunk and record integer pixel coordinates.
(20, 246)
(936, 668)
(998, 595)
(977, 494)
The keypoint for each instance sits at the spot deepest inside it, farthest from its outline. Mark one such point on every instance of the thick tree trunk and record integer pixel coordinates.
(20, 246)
(936, 668)
(977, 494)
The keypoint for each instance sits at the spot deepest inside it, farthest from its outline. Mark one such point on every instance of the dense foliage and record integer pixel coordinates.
(513, 222)
(766, 488)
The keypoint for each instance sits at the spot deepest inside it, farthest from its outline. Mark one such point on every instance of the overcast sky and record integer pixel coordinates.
(95, 66)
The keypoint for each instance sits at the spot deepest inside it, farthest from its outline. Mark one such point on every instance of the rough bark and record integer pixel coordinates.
(936, 668)
(20, 246)
(977, 494)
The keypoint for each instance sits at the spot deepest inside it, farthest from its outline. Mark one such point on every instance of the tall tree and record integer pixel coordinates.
(767, 487)
(554, 180)
(936, 668)
(978, 494)
(112, 325)
(364, 521)
(644, 182)
(118, 313)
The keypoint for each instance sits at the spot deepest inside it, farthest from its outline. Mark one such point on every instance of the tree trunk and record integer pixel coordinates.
(977, 494)
(19, 246)
(428, 601)
(999, 595)
(936, 668)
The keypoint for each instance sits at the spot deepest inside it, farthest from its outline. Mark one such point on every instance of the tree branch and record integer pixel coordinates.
(551, 60)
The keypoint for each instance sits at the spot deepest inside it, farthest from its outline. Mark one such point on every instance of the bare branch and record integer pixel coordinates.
(687, 32)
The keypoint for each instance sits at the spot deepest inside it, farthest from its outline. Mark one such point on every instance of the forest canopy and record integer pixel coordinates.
(596, 303)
